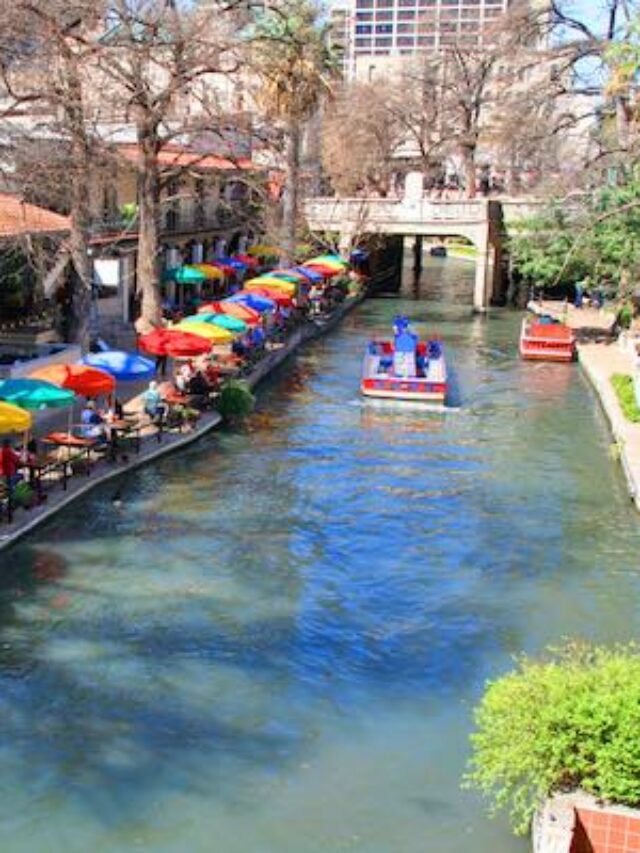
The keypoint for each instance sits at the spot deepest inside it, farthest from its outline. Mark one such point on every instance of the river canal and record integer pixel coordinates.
(274, 644)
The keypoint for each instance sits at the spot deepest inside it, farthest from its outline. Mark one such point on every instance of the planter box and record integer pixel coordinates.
(578, 823)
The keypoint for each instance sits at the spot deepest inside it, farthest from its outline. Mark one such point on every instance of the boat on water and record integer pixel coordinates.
(405, 368)
(546, 339)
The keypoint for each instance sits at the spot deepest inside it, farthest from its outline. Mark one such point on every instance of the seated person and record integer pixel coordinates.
(212, 375)
(184, 376)
(199, 388)
(257, 338)
(153, 404)
(239, 348)
(92, 422)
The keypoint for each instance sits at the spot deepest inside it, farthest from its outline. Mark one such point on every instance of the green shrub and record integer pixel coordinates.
(569, 720)
(23, 495)
(625, 392)
(236, 399)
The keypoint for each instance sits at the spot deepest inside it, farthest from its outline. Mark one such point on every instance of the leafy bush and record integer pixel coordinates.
(236, 399)
(568, 720)
(625, 392)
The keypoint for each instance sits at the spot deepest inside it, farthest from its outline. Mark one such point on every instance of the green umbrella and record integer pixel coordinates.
(35, 394)
(185, 275)
(224, 321)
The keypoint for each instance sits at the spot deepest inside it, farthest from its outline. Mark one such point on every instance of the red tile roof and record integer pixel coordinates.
(17, 218)
(176, 157)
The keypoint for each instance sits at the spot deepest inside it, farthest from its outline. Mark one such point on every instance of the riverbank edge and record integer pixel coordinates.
(265, 368)
(595, 365)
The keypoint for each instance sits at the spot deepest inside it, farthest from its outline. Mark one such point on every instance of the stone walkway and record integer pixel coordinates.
(600, 363)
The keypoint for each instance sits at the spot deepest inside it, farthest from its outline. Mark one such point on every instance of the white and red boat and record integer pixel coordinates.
(405, 368)
(543, 339)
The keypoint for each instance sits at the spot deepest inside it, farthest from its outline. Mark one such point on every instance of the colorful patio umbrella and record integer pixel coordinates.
(276, 295)
(269, 281)
(311, 275)
(214, 334)
(261, 250)
(253, 300)
(231, 309)
(334, 260)
(13, 419)
(35, 394)
(125, 366)
(185, 275)
(211, 272)
(226, 269)
(174, 343)
(224, 321)
(234, 263)
(325, 270)
(84, 380)
(291, 275)
(249, 260)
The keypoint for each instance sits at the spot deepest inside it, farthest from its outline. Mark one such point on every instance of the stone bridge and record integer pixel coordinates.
(482, 221)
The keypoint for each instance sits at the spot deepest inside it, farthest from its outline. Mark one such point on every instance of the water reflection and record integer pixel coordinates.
(275, 642)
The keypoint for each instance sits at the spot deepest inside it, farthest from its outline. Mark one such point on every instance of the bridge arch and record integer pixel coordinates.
(479, 220)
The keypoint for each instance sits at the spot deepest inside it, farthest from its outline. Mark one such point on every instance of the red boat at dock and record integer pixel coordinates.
(543, 339)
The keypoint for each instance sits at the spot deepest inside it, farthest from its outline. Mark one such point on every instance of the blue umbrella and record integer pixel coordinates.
(123, 365)
(311, 275)
(233, 262)
(254, 300)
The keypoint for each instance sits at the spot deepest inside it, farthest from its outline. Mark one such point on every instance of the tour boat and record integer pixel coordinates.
(405, 368)
(546, 340)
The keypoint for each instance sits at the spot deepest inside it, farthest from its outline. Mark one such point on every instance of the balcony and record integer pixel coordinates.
(186, 217)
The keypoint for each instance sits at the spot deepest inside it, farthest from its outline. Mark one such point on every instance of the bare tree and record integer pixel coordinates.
(157, 58)
(46, 73)
(362, 137)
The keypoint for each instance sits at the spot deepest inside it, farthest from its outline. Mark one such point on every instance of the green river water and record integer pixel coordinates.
(275, 643)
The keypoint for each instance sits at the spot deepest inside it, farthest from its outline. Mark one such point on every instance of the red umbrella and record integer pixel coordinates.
(249, 260)
(174, 343)
(232, 309)
(80, 378)
(278, 296)
(327, 272)
(226, 269)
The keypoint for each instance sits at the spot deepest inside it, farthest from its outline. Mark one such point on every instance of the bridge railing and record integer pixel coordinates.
(382, 210)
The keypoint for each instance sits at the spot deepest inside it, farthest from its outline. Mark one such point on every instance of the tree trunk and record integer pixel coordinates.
(468, 153)
(149, 214)
(80, 213)
(292, 188)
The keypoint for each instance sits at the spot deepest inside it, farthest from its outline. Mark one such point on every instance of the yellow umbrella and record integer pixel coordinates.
(270, 281)
(14, 419)
(211, 272)
(212, 333)
(262, 250)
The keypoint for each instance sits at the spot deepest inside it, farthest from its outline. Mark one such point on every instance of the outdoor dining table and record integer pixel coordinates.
(72, 442)
(121, 427)
(42, 464)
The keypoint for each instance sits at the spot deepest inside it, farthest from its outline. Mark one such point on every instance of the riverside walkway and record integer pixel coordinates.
(24, 521)
(602, 357)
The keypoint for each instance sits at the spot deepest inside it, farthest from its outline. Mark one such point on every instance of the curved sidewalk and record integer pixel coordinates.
(78, 485)
(600, 363)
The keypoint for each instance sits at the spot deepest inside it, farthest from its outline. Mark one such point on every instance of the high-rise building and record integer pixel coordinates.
(388, 30)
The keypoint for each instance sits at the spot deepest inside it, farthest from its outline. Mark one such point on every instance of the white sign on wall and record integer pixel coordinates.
(106, 272)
